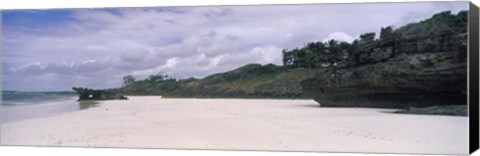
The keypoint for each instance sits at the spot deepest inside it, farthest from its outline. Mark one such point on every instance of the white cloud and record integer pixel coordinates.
(267, 54)
(341, 36)
(135, 56)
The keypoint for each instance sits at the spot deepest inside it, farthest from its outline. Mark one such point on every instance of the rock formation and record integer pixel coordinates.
(399, 70)
(91, 94)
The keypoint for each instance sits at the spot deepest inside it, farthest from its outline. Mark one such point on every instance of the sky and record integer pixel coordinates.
(54, 50)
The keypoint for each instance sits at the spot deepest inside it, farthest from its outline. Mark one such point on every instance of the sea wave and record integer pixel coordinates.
(14, 98)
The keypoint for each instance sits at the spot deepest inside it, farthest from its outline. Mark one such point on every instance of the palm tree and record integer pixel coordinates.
(128, 79)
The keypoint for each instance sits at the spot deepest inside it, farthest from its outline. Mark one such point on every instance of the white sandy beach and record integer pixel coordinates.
(242, 124)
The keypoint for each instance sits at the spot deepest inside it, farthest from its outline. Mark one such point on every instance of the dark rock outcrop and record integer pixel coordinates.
(398, 71)
(91, 94)
(406, 80)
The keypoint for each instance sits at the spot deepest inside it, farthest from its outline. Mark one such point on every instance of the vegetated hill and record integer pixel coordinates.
(249, 81)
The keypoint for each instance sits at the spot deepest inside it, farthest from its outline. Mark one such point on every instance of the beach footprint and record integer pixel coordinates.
(361, 134)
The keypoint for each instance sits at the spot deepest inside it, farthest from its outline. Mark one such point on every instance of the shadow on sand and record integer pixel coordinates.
(315, 105)
(87, 104)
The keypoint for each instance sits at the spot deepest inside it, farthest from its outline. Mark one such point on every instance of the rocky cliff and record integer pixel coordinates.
(421, 64)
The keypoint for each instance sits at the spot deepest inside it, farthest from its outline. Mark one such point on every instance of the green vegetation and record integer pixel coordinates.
(318, 54)
(340, 54)
(128, 79)
(249, 81)
(103, 94)
(456, 110)
(438, 24)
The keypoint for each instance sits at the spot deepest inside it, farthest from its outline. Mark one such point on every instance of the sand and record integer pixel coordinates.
(241, 124)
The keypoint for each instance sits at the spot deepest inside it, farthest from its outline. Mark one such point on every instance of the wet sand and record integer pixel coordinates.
(241, 124)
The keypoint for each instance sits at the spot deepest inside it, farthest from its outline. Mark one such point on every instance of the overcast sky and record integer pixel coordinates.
(57, 49)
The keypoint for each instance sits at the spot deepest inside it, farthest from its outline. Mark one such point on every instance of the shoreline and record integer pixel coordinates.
(12, 113)
(241, 124)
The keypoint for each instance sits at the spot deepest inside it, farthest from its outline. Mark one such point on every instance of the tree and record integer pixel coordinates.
(286, 57)
(367, 37)
(386, 33)
(317, 54)
(128, 79)
(311, 59)
(156, 78)
(333, 51)
(344, 51)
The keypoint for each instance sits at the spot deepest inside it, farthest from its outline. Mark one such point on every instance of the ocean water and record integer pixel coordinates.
(14, 98)
(26, 105)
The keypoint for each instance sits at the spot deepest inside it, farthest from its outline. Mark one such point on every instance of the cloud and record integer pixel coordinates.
(340, 36)
(97, 47)
(135, 56)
